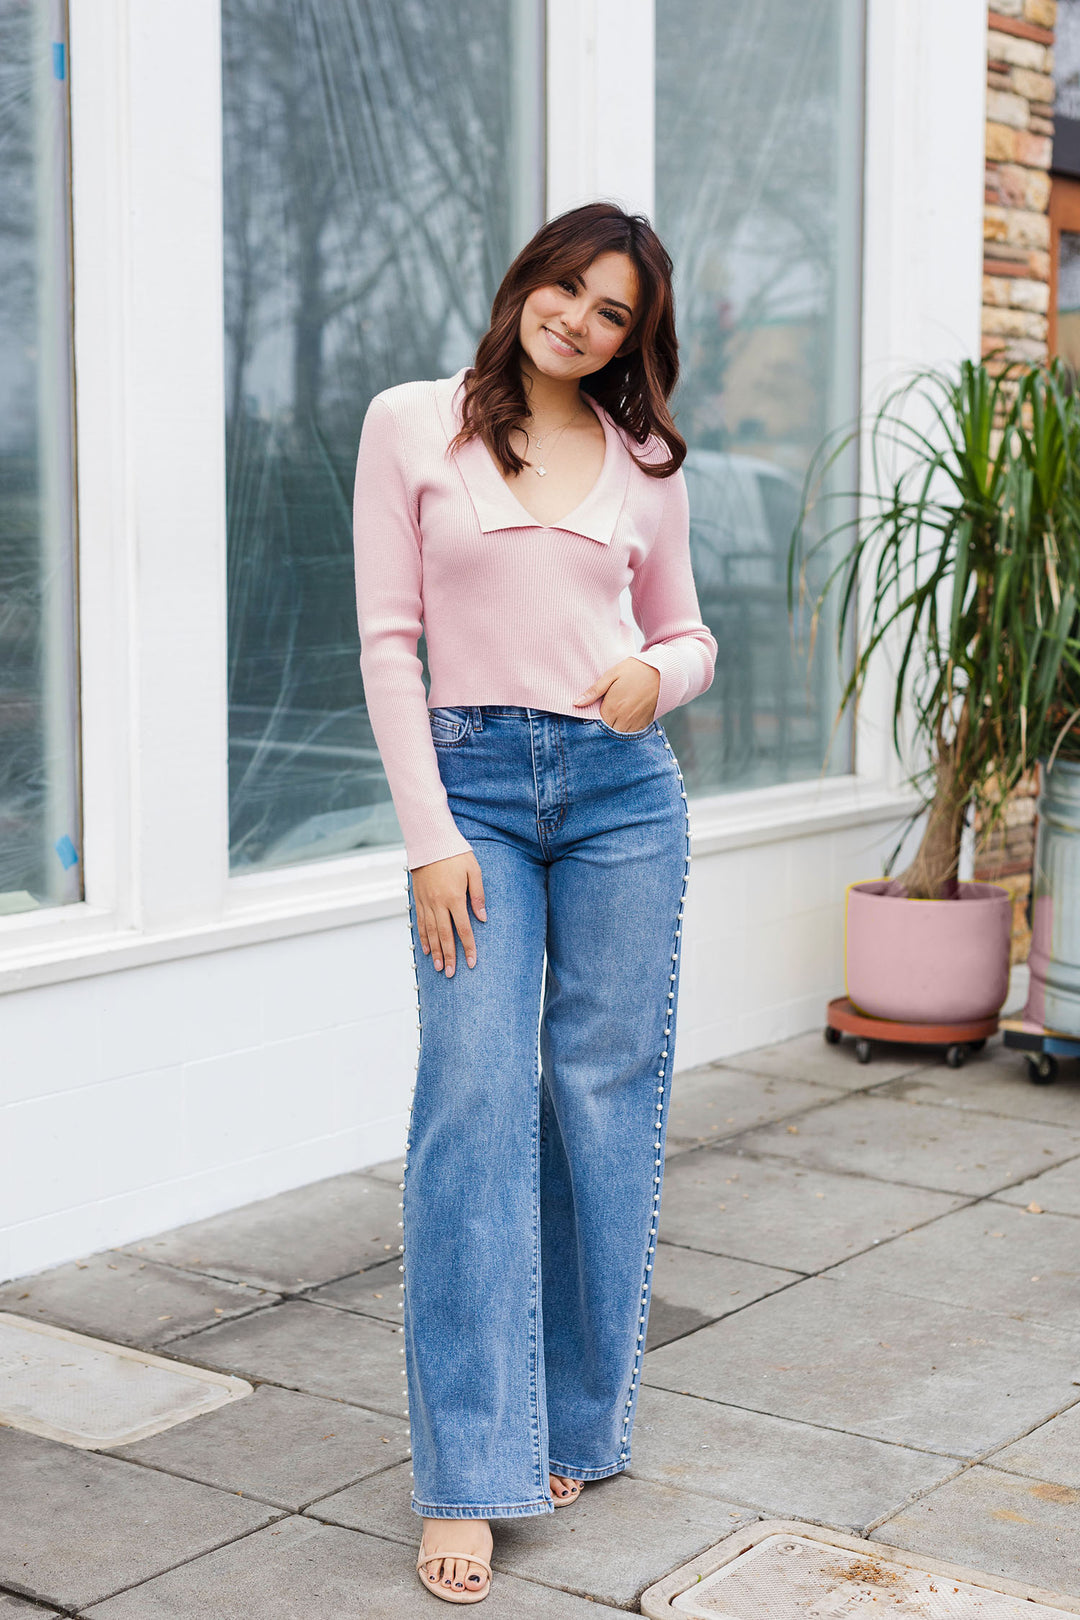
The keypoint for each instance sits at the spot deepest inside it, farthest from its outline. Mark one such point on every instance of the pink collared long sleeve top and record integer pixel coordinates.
(515, 612)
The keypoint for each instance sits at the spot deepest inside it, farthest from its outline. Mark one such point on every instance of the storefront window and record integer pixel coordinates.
(382, 164)
(40, 836)
(758, 161)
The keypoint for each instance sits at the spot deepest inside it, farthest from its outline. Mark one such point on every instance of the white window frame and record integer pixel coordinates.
(149, 360)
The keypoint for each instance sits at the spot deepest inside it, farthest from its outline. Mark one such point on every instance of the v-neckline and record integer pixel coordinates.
(498, 508)
(593, 487)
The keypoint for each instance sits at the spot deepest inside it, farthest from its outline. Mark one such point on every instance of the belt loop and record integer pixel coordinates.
(477, 717)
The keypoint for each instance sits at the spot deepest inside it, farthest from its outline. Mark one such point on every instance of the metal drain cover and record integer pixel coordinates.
(783, 1571)
(92, 1394)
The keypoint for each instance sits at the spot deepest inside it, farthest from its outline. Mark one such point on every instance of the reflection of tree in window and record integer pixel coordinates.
(39, 800)
(373, 194)
(758, 131)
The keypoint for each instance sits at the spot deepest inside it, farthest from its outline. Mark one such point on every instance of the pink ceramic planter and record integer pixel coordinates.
(927, 961)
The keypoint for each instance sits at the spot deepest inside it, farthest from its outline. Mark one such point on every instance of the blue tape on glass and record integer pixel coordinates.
(58, 59)
(66, 850)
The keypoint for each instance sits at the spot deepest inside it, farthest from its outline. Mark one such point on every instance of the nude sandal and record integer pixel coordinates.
(448, 1594)
(567, 1501)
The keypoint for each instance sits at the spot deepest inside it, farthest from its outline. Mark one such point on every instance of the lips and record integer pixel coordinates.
(560, 344)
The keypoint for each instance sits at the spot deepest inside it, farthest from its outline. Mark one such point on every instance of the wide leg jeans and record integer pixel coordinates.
(535, 1149)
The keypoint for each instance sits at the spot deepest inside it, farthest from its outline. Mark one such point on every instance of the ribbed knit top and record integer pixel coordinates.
(514, 611)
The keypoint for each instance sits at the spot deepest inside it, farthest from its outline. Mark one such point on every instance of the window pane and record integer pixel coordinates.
(382, 165)
(758, 157)
(39, 808)
(1068, 298)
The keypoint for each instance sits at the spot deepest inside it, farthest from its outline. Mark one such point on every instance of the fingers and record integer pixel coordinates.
(460, 914)
(601, 684)
(476, 891)
(445, 931)
(442, 892)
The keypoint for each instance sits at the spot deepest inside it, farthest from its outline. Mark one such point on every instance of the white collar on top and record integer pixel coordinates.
(497, 507)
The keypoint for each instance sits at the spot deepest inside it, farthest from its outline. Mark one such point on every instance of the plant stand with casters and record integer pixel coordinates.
(842, 1017)
(1043, 1047)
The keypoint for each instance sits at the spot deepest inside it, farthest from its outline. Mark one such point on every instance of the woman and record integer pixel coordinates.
(503, 511)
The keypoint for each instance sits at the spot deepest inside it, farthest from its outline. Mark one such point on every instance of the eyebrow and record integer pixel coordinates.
(602, 299)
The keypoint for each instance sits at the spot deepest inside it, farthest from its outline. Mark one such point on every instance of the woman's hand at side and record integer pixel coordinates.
(442, 890)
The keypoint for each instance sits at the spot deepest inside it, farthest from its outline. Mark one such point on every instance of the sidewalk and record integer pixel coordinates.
(866, 1314)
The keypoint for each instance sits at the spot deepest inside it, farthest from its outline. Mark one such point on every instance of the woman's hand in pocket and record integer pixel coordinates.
(442, 891)
(630, 692)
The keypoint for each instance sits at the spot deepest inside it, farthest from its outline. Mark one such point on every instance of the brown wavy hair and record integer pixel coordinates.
(633, 388)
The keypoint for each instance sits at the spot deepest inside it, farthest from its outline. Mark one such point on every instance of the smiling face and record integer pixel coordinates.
(574, 327)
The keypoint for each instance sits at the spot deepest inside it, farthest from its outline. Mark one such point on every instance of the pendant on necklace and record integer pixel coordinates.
(541, 472)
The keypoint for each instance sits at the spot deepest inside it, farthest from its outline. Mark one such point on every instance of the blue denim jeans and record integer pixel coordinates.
(536, 1137)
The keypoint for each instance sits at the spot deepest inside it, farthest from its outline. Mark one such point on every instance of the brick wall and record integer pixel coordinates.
(1019, 131)
(1016, 298)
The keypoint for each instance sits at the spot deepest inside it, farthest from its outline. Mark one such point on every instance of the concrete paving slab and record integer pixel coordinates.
(621, 1535)
(934, 1377)
(1056, 1190)
(280, 1446)
(1022, 1529)
(991, 1085)
(295, 1240)
(376, 1292)
(16, 1608)
(392, 1170)
(923, 1147)
(809, 1057)
(300, 1570)
(95, 1394)
(786, 1469)
(991, 1256)
(310, 1348)
(716, 1101)
(129, 1300)
(782, 1567)
(770, 1212)
(78, 1526)
(690, 1288)
(1051, 1452)
(623, 1530)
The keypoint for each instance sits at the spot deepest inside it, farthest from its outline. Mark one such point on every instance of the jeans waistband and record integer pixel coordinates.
(510, 711)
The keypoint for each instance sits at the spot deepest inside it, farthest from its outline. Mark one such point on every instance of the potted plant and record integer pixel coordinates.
(963, 556)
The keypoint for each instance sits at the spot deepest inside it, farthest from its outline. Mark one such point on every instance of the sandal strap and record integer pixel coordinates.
(469, 1558)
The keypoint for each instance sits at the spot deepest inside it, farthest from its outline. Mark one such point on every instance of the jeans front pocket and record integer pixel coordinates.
(646, 731)
(449, 727)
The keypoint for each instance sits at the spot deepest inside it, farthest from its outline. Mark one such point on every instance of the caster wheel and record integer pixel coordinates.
(863, 1051)
(1042, 1069)
(956, 1057)
(976, 1046)
(832, 1036)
